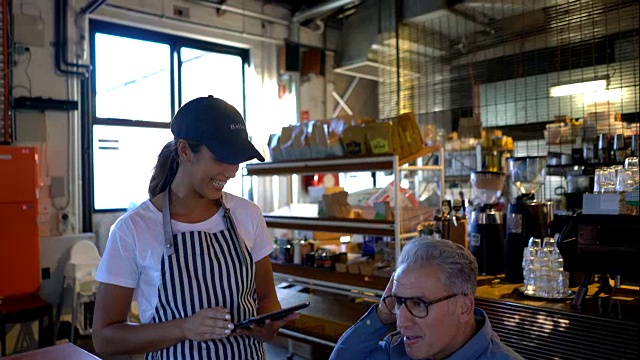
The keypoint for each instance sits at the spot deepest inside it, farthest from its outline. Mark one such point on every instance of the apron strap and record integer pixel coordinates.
(166, 224)
(231, 226)
(228, 221)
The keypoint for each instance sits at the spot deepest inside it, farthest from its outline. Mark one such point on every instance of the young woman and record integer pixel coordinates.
(195, 258)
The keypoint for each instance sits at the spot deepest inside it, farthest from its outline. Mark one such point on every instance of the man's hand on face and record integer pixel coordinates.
(386, 316)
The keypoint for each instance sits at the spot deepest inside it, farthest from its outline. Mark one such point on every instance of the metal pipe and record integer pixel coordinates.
(304, 337)
(91, 7)
(143, 14)
(240, 11)
(320, 10)
(64, 39)
(60, 49)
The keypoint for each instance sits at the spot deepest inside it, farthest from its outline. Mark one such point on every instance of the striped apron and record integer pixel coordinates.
(203, 270)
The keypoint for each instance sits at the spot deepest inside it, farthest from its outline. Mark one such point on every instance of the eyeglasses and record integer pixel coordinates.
(416, 306)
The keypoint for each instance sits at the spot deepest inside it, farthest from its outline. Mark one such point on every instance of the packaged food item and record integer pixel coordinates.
(411, 133)
(400, 146)
(353, 140)
(274, 148)
(286, 135)
(379, 136)
(293, 142)
(430, 134)
(318, 139)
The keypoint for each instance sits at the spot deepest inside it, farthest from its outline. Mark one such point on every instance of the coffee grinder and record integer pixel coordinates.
(486, 228)
(526, 217)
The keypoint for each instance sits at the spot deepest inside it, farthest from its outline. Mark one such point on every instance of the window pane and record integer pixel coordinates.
(123, 160)
(208, 73)
(133, 80)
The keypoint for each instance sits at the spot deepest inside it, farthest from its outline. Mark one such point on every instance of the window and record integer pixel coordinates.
(140, 80)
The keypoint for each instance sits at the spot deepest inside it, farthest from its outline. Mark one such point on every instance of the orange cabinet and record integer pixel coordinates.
(19, 237)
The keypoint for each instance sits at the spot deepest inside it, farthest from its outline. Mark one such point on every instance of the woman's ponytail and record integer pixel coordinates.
(165, 170)
(167, 166)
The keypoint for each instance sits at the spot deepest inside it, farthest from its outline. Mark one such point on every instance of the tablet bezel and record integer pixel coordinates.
(275, 315)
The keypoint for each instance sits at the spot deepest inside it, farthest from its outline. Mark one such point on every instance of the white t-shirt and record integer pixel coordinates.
(135, 247)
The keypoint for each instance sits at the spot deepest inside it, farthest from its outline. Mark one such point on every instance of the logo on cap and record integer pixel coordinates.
(236, 126)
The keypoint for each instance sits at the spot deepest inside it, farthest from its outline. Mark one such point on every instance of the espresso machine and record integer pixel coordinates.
(601, 245)
(486, 226)
(526, 217)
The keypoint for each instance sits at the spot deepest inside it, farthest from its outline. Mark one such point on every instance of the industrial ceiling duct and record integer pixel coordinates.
(360, 44)
(317, 12)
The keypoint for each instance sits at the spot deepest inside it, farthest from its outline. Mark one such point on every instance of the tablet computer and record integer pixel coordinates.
(276, 315)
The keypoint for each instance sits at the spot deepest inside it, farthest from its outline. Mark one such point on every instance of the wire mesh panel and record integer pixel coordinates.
(5, 121)
(552, 77)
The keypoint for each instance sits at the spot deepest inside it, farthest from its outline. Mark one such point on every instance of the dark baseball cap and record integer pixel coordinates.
(219, 126)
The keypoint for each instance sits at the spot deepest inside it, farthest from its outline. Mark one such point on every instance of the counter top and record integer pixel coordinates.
(623, 305)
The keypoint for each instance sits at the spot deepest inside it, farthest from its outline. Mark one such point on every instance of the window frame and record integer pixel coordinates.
(175, 43)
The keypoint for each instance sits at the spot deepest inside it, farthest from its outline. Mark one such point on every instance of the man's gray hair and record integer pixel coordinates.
(457, 266)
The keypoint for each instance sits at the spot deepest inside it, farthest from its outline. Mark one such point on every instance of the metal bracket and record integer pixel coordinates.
(342, 100)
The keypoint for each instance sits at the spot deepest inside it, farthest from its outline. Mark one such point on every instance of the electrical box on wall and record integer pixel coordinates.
(313, 62)
(289, 58)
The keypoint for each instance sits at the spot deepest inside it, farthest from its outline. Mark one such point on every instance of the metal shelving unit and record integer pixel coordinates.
(325, 280)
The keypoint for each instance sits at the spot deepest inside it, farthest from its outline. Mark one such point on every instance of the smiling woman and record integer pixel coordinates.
(194, 270)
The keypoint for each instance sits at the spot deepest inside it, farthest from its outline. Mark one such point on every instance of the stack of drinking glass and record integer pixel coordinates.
(616, 178)
(543, 270)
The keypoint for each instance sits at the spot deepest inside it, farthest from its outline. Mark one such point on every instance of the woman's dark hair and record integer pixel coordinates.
(167, 167)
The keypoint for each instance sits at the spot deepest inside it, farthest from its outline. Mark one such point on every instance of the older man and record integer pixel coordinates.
(430, 298)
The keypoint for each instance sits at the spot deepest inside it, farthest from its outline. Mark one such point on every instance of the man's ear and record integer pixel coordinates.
(467, 306)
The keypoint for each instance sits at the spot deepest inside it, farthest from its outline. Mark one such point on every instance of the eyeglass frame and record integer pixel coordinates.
(403, 301)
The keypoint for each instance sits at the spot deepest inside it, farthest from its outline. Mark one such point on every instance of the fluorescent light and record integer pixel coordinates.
(604, 96)
(578, 88)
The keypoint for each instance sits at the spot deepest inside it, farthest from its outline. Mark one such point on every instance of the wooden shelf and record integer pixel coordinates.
(354, 226)
(457, 178)
(362, 281)
(333, 165)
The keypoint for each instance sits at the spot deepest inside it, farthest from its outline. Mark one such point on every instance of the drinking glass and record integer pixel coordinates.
(631, 162)
(607, 179)
(624, 181)
(535, 244)
(600, 180)
(549, 244)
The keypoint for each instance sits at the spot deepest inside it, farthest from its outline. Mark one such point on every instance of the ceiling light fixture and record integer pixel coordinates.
(579, 88)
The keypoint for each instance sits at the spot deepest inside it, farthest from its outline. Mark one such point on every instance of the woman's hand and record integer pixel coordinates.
(268, 331)
(386, 316)
(208, 324)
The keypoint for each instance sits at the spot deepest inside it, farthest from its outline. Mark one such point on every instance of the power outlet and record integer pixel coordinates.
(181, 11)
